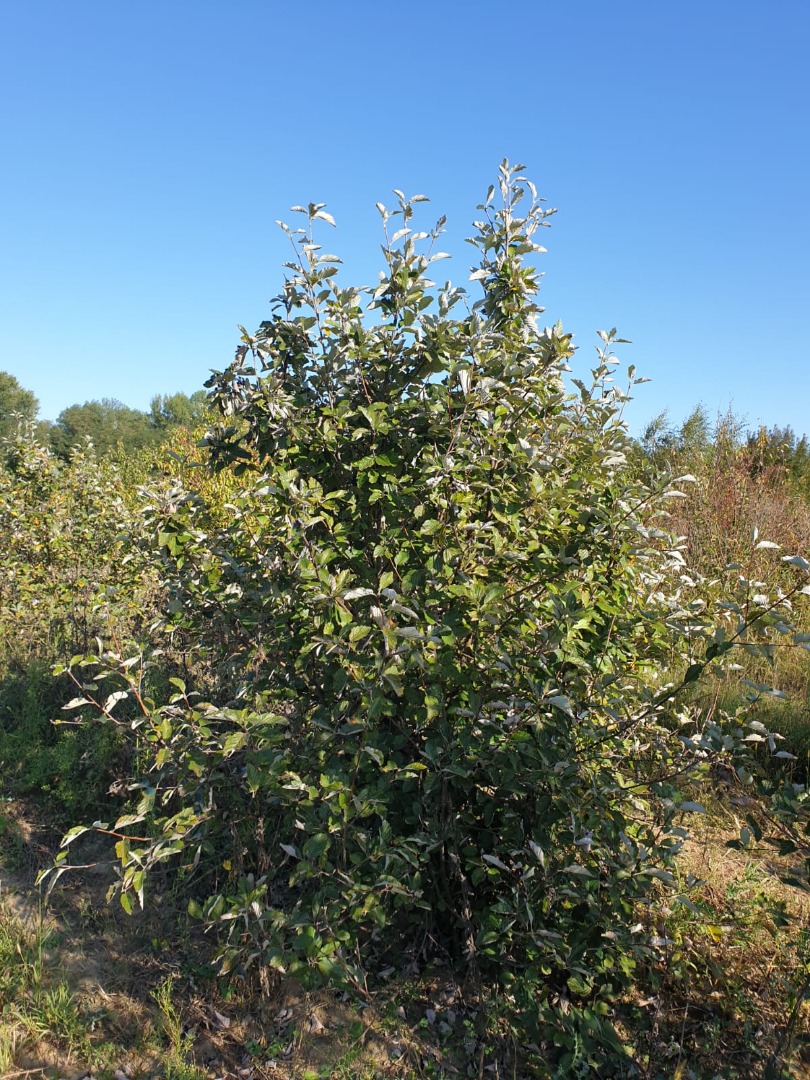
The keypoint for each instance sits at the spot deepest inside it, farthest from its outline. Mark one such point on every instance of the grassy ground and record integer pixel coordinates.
(83, 988)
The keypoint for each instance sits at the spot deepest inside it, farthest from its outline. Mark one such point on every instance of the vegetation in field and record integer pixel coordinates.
(415, 669)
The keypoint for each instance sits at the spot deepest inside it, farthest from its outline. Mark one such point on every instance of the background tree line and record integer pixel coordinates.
(776, 453)
(107, 423)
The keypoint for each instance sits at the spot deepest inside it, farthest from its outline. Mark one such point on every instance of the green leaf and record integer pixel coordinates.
(233, 742)
(74, 833)
(76, 703)
(128, 819)
(796, 560)
(559, 701)
(114, 698)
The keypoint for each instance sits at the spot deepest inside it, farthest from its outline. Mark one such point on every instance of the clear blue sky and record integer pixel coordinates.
(148, 148)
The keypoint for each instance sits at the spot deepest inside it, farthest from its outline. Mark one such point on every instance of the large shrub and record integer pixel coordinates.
(441, 606)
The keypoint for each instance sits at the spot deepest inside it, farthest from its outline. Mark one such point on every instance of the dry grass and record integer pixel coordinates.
(728, 996)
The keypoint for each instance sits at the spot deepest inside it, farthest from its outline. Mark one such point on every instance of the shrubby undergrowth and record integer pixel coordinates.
(69, 572)
(451, 637)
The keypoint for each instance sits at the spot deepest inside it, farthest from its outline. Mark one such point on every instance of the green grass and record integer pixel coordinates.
(36, 1001)
(788, 717)
(179, 1043)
